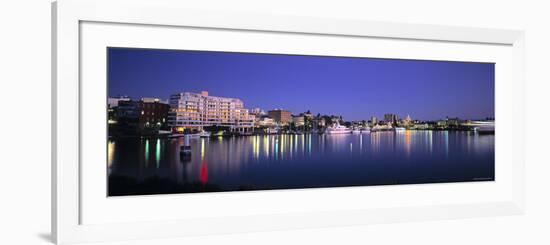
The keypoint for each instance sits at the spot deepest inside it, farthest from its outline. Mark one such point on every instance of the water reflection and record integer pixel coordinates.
(297, 161)
(110, 152)
(204, 172)
(157, 153)
(146, 151)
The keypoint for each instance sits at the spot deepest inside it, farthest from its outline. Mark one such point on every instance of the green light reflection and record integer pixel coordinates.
(157, 153)
(146, 152)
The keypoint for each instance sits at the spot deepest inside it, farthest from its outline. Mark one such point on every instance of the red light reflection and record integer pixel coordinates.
(204, 172)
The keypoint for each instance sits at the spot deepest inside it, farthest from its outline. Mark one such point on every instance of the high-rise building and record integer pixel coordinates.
(280, 116)
(390, 118)
(198, 110)
(374, 121)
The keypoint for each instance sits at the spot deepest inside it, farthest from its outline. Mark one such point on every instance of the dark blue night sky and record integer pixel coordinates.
(356, 88)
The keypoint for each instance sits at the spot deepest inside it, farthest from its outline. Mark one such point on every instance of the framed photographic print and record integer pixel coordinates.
(196, 122)
(207, 121)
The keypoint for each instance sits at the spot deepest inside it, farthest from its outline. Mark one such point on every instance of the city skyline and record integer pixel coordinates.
(372, 87)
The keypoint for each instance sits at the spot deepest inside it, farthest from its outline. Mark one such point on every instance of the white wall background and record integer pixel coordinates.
(25, 122)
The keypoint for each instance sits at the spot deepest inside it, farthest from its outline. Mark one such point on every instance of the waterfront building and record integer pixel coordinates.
(381, 127)
(127, 111)
(319, 121)
(280, 116)
(453, 122)
(198, 110)
(298, 121)
(421, 126)
(307, 115)
(112, 104)
(153, 112)
(266, 122)
(448, 123)
(145, 113)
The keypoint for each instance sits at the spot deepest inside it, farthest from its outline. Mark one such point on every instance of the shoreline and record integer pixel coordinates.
(170, 136)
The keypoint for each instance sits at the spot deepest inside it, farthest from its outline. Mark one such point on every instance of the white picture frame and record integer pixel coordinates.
(67, 200)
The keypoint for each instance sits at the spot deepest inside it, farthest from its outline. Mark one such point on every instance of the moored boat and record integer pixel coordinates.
(219, 133)
(175, 135)
(483, 127)
(337, 129)
(204, 134)
(245, 133)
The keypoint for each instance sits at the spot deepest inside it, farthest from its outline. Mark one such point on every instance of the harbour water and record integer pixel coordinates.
(140, 166)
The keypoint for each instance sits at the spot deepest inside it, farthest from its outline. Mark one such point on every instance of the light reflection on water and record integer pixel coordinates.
(300, 161)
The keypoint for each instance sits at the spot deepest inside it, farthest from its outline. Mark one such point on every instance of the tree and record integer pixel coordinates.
(292, 126)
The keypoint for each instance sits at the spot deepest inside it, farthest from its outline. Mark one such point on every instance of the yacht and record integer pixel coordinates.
(175, 135)
(204, 134)
(399, 129)
(356, 131)
(219, 133)
(337, 129)
(245, 133)
(484, 127)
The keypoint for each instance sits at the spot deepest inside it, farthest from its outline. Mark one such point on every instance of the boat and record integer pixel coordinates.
(365, 130)
(193, 136)
(399, 129)
(175, 135)
(484, 127)
(165, 133)
(337, 129)
(377, 128)
(271, 131)
(219, 133)
(245, 133)
(356, 131)
(204, 134)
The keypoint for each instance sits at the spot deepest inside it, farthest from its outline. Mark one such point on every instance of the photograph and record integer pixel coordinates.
(195, 121)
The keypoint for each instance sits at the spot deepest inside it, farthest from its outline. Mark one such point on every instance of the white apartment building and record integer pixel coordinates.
(197, 110)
